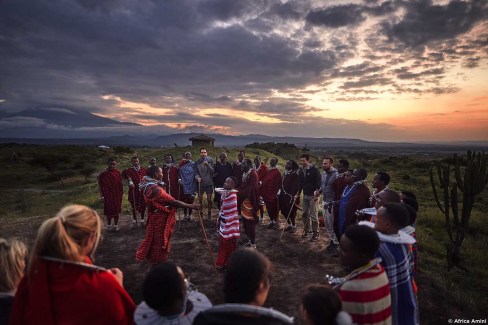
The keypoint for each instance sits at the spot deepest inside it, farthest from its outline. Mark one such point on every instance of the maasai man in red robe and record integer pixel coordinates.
(271, 184)
(290, 185)
(247, 199)
(170, 176)
(161, 209)
(111, 191)
(261, 170)
(228, 222)
(134, 175)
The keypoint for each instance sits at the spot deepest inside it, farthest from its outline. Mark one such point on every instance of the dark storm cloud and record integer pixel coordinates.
(228, 9)
(425, 22)
(189, 55)
(385, 8)
(338, 16)
(144, 51)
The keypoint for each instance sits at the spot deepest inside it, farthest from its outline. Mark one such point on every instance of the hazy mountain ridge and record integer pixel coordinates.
(182, 139)
(66, 117)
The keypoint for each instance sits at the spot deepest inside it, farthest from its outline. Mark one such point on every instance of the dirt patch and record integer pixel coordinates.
(296, 263)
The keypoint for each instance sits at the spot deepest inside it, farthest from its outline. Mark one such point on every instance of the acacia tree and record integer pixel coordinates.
(87, 172)
(52, 163)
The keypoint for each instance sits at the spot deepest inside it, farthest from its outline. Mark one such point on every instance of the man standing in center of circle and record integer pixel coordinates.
(204, 170)
(310, 180)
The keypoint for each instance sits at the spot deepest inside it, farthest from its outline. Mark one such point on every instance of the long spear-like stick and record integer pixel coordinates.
(179, 209)
(133, 204)
(206, 241)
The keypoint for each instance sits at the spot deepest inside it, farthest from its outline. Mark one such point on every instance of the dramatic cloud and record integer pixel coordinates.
(337, 16)
(264, 66)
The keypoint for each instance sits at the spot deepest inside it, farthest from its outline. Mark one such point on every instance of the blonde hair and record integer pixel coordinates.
(66, 235)
(12, 261)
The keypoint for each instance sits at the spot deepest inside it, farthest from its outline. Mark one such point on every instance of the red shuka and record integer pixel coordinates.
(63, 293)
(262, 171)
(271, 185)
(135, 196)
(111, 189)
(170, 178)
(160, 226)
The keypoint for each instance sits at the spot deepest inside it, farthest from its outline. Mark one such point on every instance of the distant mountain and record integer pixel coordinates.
(56, 123)
(321, 144)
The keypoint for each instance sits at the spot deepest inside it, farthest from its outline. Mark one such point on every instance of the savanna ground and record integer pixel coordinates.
(32, 192)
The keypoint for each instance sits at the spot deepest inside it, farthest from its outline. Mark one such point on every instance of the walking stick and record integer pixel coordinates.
(209, 249)
(200, 199)
(179, 211)
(133, 204)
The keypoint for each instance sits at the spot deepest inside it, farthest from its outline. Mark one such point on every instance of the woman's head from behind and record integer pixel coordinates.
(72, 234)
(164, 289)
(248, 277)
(12, 263)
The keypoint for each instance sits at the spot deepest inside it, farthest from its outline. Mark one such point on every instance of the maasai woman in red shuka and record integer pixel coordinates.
(161, 218)
(228, 222)
(134, 175)
(111, 191)
(269, 191)
(61, 285)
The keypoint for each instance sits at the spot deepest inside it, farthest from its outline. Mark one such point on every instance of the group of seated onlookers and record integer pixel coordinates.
(61, 285)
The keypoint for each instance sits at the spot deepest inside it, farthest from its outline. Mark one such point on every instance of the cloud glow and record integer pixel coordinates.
(378, 70)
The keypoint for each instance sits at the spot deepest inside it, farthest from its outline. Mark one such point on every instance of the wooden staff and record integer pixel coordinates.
(206, 241)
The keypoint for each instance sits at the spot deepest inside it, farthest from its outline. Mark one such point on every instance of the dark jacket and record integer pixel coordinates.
(310, 180)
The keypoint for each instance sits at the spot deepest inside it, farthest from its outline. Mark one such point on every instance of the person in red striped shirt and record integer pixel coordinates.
(365, 292)
(228, 222)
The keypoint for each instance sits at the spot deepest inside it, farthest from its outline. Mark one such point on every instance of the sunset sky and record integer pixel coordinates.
(375, 70)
